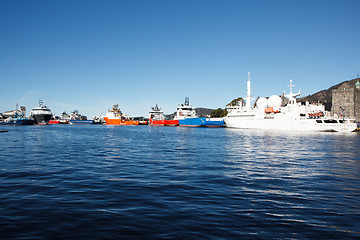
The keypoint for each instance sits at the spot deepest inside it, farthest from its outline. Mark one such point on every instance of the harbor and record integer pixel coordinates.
(127, 182)
(143, 120)
(277, 112)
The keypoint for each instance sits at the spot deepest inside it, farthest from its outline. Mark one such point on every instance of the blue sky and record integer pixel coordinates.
(88, 55)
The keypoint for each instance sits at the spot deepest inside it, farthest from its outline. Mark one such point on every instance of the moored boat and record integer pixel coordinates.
(18, 121)
(186, 115)
(54, 121)
(77, 118)
(64, 118)
(74, 121)
(24, 121)
(41, 114)
(272, 114)
(115, 117)
(214, 122)
(16, 117)
(157, 118)
(63, 121)
(98, 120)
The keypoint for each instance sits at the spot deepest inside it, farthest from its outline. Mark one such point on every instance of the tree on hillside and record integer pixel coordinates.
(235, 102)
(218, 113)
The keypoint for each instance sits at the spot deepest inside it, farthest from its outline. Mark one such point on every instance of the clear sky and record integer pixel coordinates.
(88, 55)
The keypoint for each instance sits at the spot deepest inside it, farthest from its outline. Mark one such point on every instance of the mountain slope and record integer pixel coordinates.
(325, 96)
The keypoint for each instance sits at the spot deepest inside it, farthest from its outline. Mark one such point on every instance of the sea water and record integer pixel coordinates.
(145, 182)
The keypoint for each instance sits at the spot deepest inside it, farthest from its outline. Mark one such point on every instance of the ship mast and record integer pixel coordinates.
(248, 94)
(291, 96)
(291, 86)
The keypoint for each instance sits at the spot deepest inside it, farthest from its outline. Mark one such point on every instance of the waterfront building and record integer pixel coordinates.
(346, 100)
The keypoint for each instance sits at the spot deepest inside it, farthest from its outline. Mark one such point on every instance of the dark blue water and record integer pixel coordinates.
(139, 182)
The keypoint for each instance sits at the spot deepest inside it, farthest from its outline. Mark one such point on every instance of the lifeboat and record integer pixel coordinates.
(316, 115)
(271, 110)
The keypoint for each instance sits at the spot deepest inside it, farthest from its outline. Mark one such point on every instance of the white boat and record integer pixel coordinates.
(185, 110)
(41, 114)
(272, 114)
(186, 115)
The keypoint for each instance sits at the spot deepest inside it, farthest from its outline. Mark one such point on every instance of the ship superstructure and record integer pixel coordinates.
(271, 113)
(41, 114)
(114, 116)
(156, 117)
(186, 115)
(185, 110)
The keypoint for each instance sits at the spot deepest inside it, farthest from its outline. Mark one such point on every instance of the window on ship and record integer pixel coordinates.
(330, 121)
(319, 121)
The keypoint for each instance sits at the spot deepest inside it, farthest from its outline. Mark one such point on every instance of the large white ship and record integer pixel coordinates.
(41, 114)
(271, 114)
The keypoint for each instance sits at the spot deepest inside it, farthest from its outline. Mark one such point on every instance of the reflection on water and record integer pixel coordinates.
(110, 182)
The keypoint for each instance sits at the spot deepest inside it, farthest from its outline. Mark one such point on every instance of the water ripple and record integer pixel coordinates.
(121, 182)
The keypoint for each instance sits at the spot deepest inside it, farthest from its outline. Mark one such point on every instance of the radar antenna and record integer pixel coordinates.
(187, 101)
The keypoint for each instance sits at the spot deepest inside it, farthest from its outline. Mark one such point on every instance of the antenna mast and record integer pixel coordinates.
(291, 86)
(248, 95)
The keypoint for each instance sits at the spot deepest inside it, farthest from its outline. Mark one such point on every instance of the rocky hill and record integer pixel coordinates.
(325, 95)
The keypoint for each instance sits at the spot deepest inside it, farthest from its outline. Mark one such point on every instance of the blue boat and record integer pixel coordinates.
(17, 118)
(74, 121)
(201, 122)
(24, 121)
(214, 122)
(77, 118)
(18, 121)
(186, 116)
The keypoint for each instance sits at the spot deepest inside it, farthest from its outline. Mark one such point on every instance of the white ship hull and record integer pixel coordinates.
(283, 123)
(271, 114)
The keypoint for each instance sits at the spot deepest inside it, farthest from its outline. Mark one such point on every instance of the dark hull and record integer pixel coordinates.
(20, 121)
(72, 121)
(42, 118)
(25, 122)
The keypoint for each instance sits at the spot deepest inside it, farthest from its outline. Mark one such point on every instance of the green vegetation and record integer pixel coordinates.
(235, 101)
(218, 113)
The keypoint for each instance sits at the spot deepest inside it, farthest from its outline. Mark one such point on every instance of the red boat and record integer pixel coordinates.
(54, 122)
(164, 122)
(156, 118)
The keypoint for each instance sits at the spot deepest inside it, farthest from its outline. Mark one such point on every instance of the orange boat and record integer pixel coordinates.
(115, 117)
